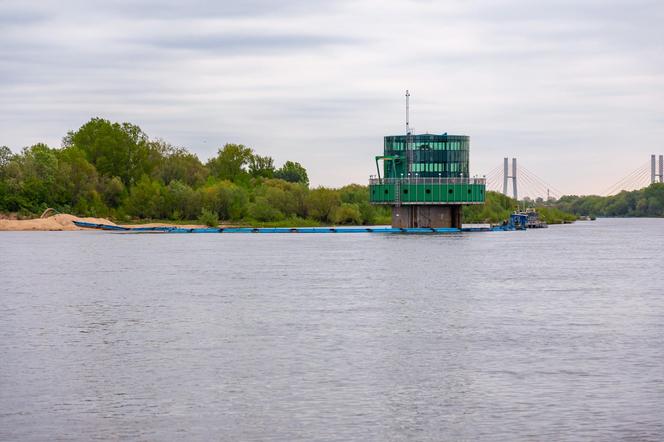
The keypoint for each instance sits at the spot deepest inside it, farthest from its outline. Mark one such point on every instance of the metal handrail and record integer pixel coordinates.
(427, 180)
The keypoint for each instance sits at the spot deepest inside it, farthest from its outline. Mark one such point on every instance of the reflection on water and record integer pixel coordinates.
(549, 334)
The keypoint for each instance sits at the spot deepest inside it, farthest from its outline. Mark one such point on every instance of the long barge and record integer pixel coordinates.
(516, 222)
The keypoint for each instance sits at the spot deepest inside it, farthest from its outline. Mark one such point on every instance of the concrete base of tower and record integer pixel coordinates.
(411, 216)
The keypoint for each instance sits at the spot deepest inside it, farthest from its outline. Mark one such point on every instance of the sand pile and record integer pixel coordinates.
(61, 221)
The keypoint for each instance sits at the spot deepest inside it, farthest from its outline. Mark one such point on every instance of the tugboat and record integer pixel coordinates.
(532, 219)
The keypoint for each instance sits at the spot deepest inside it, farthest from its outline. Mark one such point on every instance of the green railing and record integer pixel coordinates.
(427, 190)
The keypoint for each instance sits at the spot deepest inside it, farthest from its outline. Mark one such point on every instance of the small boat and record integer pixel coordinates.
(532, 219)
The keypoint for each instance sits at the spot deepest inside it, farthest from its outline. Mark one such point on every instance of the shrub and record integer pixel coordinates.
(261, 210)
(208, 218)
(347, 214)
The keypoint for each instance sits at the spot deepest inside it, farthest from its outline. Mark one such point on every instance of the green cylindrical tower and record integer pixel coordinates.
(426, 180)
(432, 156)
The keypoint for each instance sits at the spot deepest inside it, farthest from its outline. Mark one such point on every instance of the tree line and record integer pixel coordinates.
(114, 170)
(646, 202)
(498, 208)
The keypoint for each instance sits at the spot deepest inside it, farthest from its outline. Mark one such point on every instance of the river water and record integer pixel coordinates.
(553, 334)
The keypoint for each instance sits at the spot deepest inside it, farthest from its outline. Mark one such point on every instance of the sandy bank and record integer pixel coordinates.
(61, 221)
(65, 221)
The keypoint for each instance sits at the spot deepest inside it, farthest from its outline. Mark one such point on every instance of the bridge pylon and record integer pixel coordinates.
(655, 172)
(507, 177)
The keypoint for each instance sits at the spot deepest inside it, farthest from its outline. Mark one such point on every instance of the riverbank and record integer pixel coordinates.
(57, 222)
(65, 222)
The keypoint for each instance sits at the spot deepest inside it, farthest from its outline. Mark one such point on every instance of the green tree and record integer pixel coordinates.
(115, 149)
(208, 218)
(146, 199)
(358, 195)
(261, 166)
(112, 191)
(231, 162)
(176, 164)
(288, 198)
(321, 204)
(181, 201)
(76, 178)
(5, 157)
(292, 172)
(226, 199)
(37, 168)
(347, 214)
(262, 210)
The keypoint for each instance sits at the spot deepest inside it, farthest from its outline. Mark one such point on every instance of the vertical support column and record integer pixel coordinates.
(516, 195)
(457, 220)
(661, 168)
(652, 169)
(505, 175)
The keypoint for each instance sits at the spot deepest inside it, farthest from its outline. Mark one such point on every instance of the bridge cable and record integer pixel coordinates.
(540, 186)
(614, 187)
(543, 182)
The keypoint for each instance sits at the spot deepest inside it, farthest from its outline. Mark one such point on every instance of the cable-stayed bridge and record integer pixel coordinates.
(518, 181)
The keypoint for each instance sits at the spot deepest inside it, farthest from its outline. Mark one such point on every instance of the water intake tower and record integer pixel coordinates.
(425, 179)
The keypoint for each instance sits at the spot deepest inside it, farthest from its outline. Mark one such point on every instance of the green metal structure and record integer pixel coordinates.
(427, 191)
(428, 155)
(425, 178)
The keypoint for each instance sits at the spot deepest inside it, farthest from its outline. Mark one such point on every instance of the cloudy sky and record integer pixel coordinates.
(573, 88)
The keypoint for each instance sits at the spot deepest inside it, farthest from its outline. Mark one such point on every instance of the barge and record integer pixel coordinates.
(516, 222)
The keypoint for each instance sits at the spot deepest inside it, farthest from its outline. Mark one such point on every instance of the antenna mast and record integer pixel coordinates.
(409, 150)
(407, 112)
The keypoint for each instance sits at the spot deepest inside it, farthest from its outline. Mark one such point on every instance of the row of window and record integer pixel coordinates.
(424, 156)
(436, 167)
(439, 156)
(427, 191)
(435, 145)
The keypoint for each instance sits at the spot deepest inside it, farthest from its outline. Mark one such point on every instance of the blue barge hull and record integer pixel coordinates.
(113, 228)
